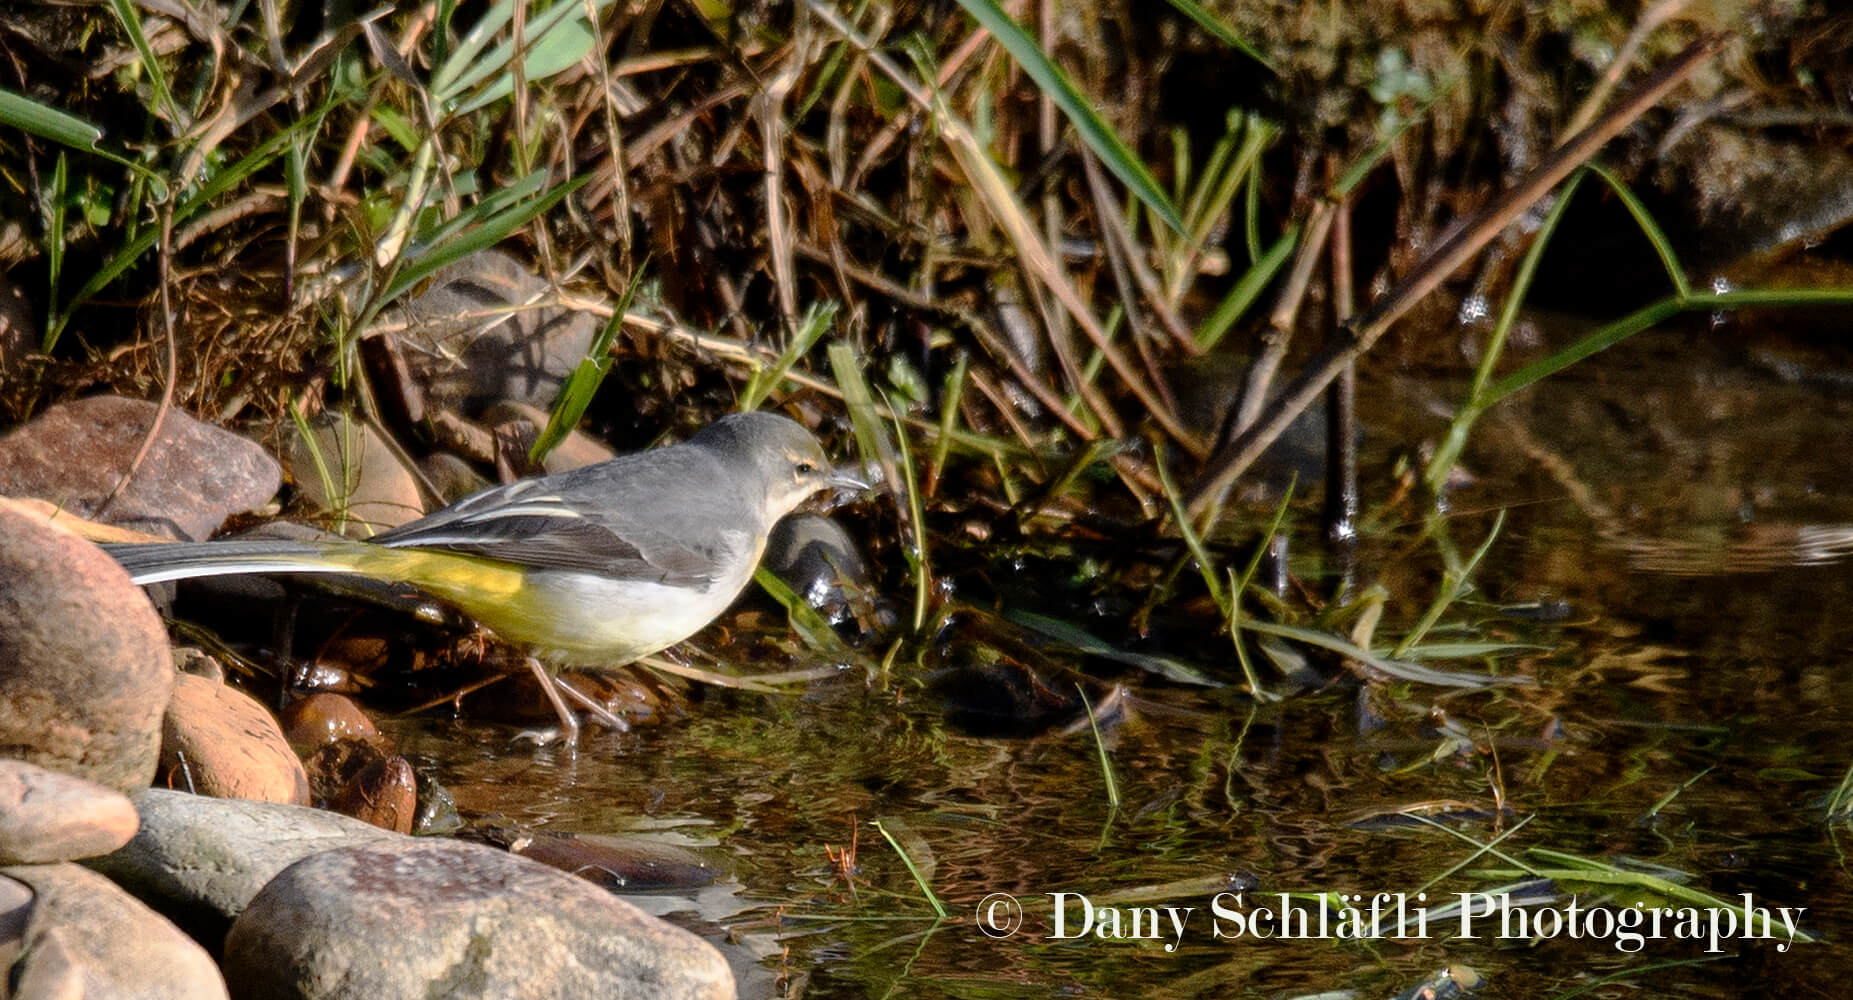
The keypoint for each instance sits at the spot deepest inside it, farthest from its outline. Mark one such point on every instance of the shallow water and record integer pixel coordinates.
(1676, 505)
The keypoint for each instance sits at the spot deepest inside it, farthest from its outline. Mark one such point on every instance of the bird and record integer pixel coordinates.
(594, 567)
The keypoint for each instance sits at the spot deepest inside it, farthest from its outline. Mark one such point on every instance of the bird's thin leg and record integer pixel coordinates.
(568, 722)
(591, 705)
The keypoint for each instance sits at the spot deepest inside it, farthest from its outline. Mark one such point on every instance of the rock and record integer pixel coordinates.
(84, 937)
(453, 477)
(200, 860)
(823, 565)
(193, 477)
(384, 793)
(324, 718)
(442, 918)
(85, 669)
(373, 486)
(51, 816)
(220, 742)
(625, 863)
(466, 361)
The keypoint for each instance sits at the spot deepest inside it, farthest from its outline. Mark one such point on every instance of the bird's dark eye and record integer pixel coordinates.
(806, 468)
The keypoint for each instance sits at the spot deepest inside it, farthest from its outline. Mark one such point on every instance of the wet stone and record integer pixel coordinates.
(85, 670)
(221, 742)
(193, 477)
(384, 793)
(325, 717)
(442, 918)
(200, 860)
(81, 936)
(822, 564)
(50, 816)
(621, 863)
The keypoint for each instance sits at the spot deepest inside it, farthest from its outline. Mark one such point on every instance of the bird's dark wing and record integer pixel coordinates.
(556, 522)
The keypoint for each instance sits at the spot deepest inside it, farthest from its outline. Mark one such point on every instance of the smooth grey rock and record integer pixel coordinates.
(85, 669)
(52, 816)
(441, 918)
(200, 860)
(85, 937)
(194, 476)
(469, 341)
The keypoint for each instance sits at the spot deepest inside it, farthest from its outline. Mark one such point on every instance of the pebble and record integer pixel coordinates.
(48, 816)
(441, 918)
(221, 742)
(81, 936)
(193, 477)
(325, 717)
(384, 793)
(85, 668)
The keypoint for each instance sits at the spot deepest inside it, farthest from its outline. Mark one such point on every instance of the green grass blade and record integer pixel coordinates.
(576, 395)
(125, 257)
(1252, 283)
(1100, 748)
(1077, 107)
(47, 122)
(913, 870)
(1239, 586)
(157, 77)
(1221, 32)
(1192, 540)
(1441, 464)
(1453, 585)
(1675, 271)
(816, 322)
(54, 234)
(806, 621)
(1600, 340)
(1085, 642)
(488, 231)
(1395, 668)
(948, 414)
(448, 81)
(557, 48)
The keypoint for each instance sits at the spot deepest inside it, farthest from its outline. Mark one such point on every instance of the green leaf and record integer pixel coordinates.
(1077, 107)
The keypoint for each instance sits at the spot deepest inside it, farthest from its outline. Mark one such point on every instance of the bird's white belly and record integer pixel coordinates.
(579, 619)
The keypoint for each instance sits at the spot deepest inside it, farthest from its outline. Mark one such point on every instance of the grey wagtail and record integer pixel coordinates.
(592, 567)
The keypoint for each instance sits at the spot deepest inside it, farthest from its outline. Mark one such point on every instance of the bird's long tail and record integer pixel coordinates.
(156, 562)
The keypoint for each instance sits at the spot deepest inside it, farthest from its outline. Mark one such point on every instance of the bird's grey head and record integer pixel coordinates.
(791, 463)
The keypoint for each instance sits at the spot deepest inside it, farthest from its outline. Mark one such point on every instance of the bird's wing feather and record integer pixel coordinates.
(572, 521)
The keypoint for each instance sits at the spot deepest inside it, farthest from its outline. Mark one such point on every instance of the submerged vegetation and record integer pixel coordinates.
(1070, 277)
